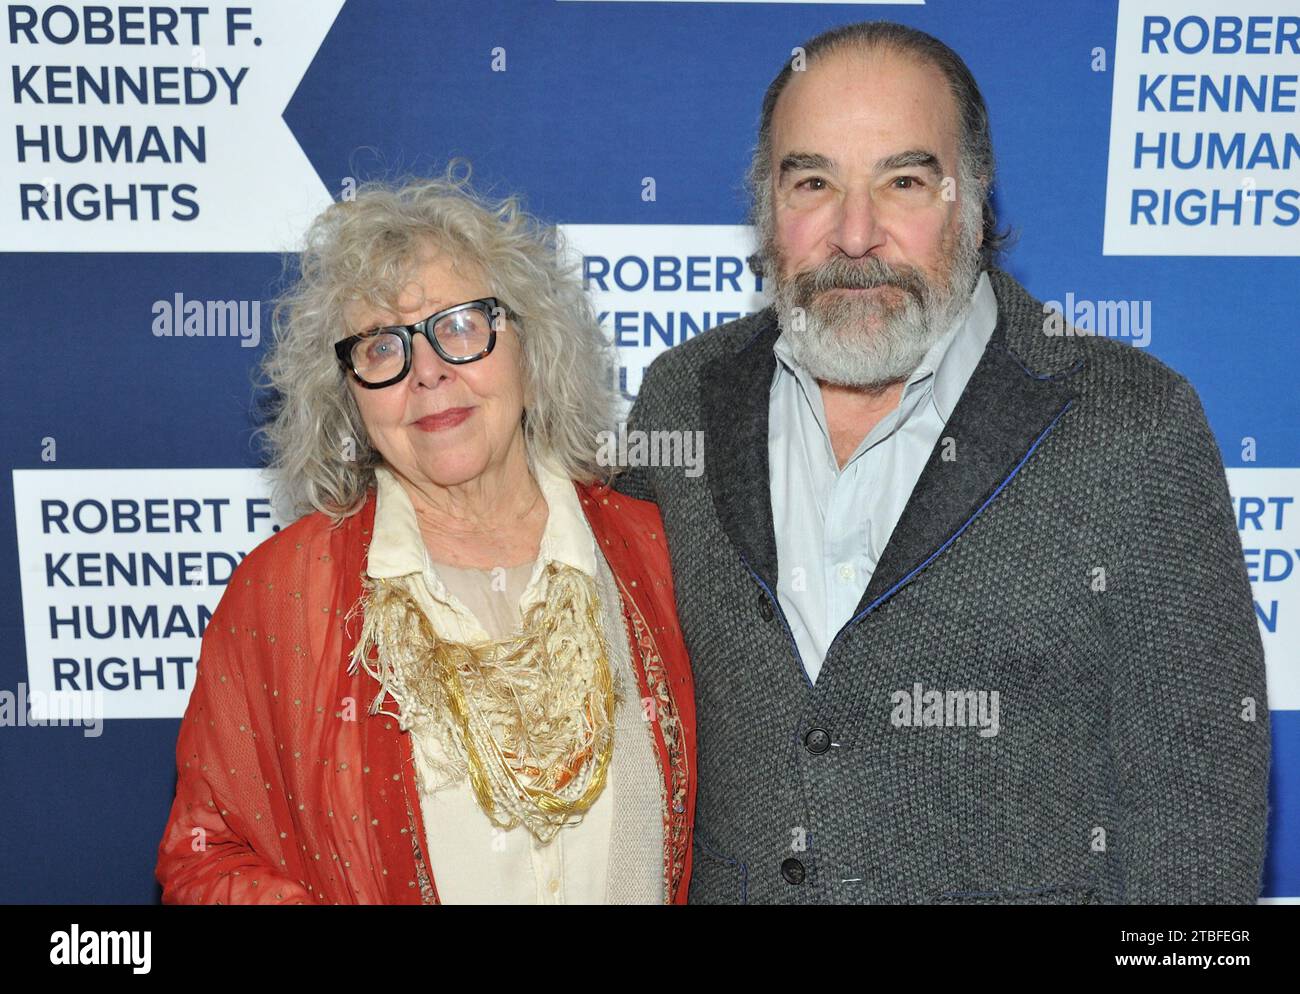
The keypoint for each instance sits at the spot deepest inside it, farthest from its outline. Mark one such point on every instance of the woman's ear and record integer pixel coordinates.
(528, 386)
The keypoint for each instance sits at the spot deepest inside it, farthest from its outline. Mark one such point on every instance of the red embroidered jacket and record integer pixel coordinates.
(289, 792)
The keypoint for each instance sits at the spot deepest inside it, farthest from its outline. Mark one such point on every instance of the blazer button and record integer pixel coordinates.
(817, 741)
(765, 607)
(792, 870)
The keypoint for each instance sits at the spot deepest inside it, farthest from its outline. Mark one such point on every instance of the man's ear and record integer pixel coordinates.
(983, 182)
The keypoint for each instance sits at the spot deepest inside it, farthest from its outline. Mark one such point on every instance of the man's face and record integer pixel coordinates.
(870, 243)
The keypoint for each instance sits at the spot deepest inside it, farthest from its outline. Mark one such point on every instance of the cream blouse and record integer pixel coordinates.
(615, 853)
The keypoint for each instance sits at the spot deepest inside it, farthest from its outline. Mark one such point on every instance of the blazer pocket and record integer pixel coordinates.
(715, 877)
(1072, 893)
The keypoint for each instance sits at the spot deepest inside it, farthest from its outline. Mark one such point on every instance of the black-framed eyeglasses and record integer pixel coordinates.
(464, 333)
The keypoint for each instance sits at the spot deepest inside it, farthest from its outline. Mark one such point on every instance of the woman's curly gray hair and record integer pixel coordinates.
(363, 251)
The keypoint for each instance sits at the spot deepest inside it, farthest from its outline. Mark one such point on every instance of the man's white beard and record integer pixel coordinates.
(875, 338)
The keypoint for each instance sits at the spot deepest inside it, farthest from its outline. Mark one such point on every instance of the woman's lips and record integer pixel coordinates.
(449, 418)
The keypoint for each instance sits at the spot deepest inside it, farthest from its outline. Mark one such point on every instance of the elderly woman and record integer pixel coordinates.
(458, 676)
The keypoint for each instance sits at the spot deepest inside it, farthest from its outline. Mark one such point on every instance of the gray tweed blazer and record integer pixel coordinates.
(1078, 556)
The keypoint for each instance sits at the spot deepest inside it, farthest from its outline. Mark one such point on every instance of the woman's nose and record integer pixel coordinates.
(427, 367)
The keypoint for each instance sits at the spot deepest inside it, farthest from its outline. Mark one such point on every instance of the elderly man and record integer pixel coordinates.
(963, 594)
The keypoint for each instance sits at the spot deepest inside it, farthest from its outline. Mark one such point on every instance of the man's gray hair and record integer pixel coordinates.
(364, 251)
(975, 143)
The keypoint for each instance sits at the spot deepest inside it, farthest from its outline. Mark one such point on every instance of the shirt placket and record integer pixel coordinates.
(548, 869)
(850, 514)
(842, 544)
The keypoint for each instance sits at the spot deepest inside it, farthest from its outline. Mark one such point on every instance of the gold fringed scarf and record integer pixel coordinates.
(528, 718)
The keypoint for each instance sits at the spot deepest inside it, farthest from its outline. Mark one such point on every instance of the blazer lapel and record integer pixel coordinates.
(733, 406)
(1003, 413)
(1006, 409)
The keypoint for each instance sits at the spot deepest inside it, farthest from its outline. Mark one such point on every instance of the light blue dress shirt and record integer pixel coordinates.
(832, 524)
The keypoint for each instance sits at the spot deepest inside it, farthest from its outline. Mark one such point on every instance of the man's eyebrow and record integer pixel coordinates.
(913, 158)
(796, 161)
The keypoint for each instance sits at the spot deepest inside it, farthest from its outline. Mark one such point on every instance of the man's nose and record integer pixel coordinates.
(858, 227)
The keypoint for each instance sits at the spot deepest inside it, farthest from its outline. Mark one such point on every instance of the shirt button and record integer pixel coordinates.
(555, 886)
(846, 571)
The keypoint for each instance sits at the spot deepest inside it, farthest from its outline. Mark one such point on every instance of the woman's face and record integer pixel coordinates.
(444, 423)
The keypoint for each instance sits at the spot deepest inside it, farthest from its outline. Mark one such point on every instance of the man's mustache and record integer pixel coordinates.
(847, 274)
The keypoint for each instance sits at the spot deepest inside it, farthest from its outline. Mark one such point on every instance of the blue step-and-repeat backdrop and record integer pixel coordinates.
(157, 160)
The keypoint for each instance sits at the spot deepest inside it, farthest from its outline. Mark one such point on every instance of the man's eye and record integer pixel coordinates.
(908, 182)
(811, 183)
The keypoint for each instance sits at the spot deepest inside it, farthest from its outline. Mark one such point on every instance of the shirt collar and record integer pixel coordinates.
(959, 351)
(397, 548)
(567, 537)
(951, 359)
